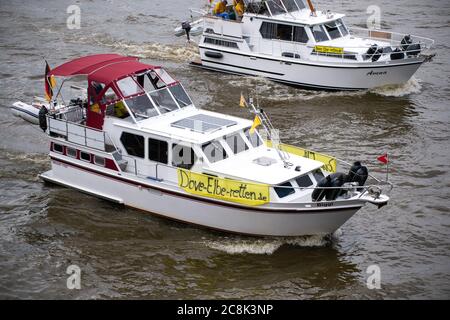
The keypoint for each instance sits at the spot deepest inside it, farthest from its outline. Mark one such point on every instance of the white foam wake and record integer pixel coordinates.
(172, 52)
(410, 87)
(238, 245)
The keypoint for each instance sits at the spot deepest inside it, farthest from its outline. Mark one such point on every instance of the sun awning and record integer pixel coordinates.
(103, 68)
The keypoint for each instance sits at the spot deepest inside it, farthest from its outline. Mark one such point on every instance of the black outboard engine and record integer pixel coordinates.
(413, 49)
(186, 26)
(397, 54)
(337, 180)
(406, 41)
(358, 173)
(319, 194)
(334, 180)
(43, 118)
(374, 52)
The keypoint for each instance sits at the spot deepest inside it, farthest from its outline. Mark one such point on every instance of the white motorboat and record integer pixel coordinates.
(289, 41)
(138, 140)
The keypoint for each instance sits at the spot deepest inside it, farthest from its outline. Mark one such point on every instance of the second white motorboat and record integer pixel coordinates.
(289, 41)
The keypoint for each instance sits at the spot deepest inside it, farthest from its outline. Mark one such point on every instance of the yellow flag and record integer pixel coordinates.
(52, 81)
(242, 103)
(255, 124)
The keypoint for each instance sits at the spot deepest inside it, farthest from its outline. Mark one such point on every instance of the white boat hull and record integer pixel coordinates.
(349, 76)
(187, 209)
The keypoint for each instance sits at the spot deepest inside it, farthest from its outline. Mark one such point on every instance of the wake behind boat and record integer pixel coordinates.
(138, 140)
(289, 41)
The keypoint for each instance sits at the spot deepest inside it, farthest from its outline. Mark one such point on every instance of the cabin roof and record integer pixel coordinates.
(103, 68)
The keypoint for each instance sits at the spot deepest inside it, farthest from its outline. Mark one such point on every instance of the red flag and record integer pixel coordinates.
(384, 158)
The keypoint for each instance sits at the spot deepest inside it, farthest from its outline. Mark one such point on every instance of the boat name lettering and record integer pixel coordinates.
(379, 73)
(325, 204)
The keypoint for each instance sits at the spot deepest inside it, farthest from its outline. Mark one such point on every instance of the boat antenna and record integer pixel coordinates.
(272, 133)
(311, 8)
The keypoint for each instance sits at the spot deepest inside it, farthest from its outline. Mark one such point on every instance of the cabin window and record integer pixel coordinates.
(319, 33)
(254, 138)
(71, 152)
(163, 100)
(214, 151)
(141, 106)
(236, 143)
(133, 144)
(268, 30)
(85, 156)
(109, 96)
(300, 35)
(180, 95)
(304, 181)
(128, 87)
(100, 161)
(332, 30)
(183, 156)
(58, 148)
(284, 190)
(157, 150)
(318, 175)
(284, 32)
(118, 110)
(228, 44)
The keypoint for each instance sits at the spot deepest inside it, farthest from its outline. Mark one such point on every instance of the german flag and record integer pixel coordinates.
(50, 83)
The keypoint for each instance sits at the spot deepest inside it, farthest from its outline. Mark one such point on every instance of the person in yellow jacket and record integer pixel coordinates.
(220, 9)
(239, 7)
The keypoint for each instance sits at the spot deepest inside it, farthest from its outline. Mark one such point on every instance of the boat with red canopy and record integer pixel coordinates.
(137, 139)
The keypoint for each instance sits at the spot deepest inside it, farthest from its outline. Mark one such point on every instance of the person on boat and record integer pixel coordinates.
(220, 10)
(239, 8)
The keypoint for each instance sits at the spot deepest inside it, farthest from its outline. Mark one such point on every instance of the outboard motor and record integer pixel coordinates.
(358, 173)
(374, 52)
(319, 194)
(397, 54)
(406, 41)
(43, 118)
(337, 180)
(413, 49)
(334, 180)
(186, 26)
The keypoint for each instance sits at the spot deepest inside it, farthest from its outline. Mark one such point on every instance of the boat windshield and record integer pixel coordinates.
(293, 5)
(180, 95)
(319, 33)
(342, 28)
(275, 7)
(163, 100)
(141, 106)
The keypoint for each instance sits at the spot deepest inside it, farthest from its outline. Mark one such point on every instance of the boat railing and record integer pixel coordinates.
(394, 38)
(60, 125)
(389, 45)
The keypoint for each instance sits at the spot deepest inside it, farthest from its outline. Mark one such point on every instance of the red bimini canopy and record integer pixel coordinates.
(103, 68)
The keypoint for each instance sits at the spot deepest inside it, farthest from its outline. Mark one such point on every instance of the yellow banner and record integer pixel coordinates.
(325, 49)
(251, 194)
(329, 162)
